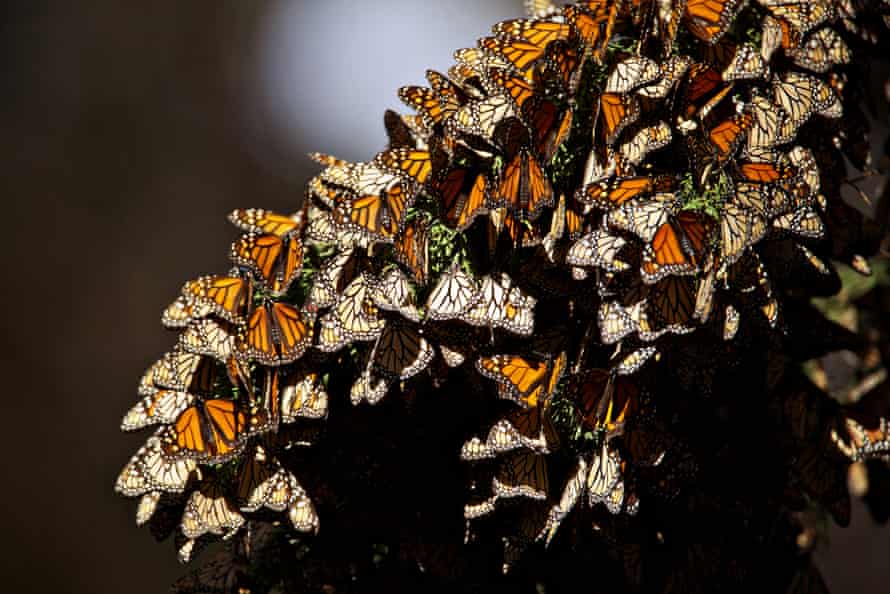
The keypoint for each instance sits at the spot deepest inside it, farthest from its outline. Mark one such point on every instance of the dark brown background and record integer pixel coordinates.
(128, 133)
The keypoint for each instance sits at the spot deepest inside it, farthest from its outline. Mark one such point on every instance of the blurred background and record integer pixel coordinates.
(130, 131)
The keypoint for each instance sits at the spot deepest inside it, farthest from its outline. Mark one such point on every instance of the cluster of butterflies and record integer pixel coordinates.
(579, 191)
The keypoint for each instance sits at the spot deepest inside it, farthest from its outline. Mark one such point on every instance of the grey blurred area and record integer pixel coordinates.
(129, 131)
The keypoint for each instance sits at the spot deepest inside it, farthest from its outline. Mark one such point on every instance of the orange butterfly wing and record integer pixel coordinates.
(226, 296)
(727, 135)
(538, 33)
(618, 111)
(762, 172)
(292, 332)
(510, 185)
(413, 163)
(709, 19)
(519, 53)
(539, 192)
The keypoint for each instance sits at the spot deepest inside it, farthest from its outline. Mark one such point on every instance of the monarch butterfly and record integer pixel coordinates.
(179, 313)
(392, 292)
(669, 308)
(276, 334)
(473, 511)
(672, 71)
(803, 222)
(618, 190)
(331, 337)
(707, 290)
(151, 469)
(599, 249)
(521, 474)
(549, 138)
(267, 258)
(223, 296)
(630, 74)
(324, 192)
(799, 14)
(605, 398)
(704, 90)
(523, 188)
(334, 276)
(411, 248)
(676, 247)
(302, 515)
(728, 135)
(747, 64)
(333, 164)
(775, 34)
(365, 388)
(800, 96)
(820, 51)
(176, 370)
(265, 484)
(426, 102)
(763, 133)
(482, 118)
(464, 196)
(766, 172)
(522, 429)
(634, 361)
(593, 23)
(158, 407)
(731, 321)
(862, 443)
(260, 222)
(208, 511)
(378, 205)
(399, 133)
(606, 481)
(502, 305)
(402, 352)
(322, 229)
(519, 88)
(709, 19)
(740, 228)
(562, 65)
(213, 431)
(147, 506)
(209, 337)
(453, 296)
(452, 357)
(479, 60)
(618, 112)
(767, 200)
(804, 162)
(520, 53)
(355, 314)
(567, 221)
(451, 95)
(572, 491)
(528, 381)
(616, 321)
(302, 395)
(645, 141)
(469, 78)
(411, 163)
(188, 548)
(537, 32)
